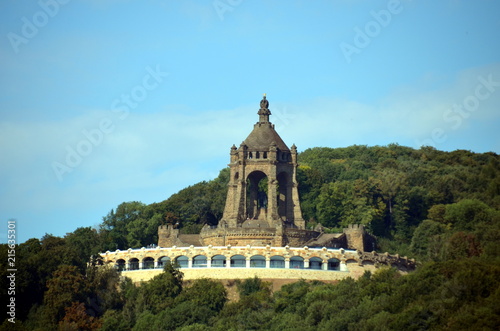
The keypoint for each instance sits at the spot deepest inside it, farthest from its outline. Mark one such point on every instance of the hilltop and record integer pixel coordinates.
(441, 208)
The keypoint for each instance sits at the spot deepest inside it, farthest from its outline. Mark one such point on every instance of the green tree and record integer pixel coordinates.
(427, 240)
(159, 293)
(207, 293)
(66, 286)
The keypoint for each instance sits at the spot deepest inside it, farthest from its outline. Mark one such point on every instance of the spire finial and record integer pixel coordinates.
(264, 104)
(264, 111)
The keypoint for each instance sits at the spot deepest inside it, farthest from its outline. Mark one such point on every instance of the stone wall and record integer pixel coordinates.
(168, 236)
(244, 273)
(256, 236)
(239, 236)
(299, 237)
(334, 264)
(357, 238)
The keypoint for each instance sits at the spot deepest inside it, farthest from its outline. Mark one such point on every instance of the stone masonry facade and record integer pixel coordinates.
(262, 204)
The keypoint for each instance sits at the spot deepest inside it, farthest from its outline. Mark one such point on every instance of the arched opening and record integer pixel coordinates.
(257, 155)
(200, 261)
(218, 261)
(182, 261)
(264, 156)
(315, 263)
(120, 265)
(257, 195)
(250, 155)
(163, 261)
(133, 264)
(148, 263)
(238, 261)
(282, 194)
(257, 261)
(296, 262)
(277, 262)
(333, 264)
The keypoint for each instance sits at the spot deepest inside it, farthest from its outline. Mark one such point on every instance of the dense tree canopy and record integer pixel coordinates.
(442, 208)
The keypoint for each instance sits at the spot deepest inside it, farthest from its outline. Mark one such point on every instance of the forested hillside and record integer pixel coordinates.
(441, 208)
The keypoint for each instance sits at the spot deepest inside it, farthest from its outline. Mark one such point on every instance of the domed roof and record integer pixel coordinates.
(263, 134)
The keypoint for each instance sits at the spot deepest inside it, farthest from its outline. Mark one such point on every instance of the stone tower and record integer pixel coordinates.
(263, 187)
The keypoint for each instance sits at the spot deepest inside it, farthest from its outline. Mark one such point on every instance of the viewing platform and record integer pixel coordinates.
(227, 262)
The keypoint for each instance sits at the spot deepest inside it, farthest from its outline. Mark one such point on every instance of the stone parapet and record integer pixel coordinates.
(244, 273)
(264, 261)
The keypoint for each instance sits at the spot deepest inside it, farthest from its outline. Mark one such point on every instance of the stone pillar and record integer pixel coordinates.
(156, 264)
(209, 262)
(190, 262)
(248, 262)
(287, 263)
(343, 266)
(268, 263)
(228, 262)
(140, 265)
(127, 265)
(324, 265)
(306, 263)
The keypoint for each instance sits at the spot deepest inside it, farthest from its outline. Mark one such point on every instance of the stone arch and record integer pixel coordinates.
(333, 264)
(315, 263)
(352, 262)
(120, 265)
(162, 261)
(182, 261)
(238, 261)
(257, 195)
(148, 263)
(277, 261)
(257, 261)
(297, 262)
(218, 261)
(133, 264)
(200, 261)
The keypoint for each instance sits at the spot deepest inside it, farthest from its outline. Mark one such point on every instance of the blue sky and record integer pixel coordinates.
(106, 101)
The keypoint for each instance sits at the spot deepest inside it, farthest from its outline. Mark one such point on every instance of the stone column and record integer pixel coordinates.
(228, 262)
(272, 199)
(248, 262)
(324, 265)
(287, 263)
(268, 263)
(306, 263)
(343, 266)
(209, 262)
(156, 264)
(190, 262)
(140, 265)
